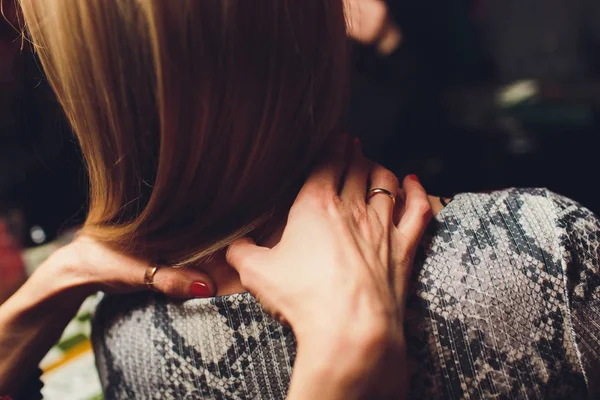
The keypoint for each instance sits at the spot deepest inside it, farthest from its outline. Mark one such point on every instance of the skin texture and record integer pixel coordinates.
(354, 262)
(32, 320)
(227, 280)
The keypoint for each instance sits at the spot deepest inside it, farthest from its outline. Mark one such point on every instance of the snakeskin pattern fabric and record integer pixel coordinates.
(504, 304)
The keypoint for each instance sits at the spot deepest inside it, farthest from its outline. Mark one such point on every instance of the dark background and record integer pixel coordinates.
(431, 108)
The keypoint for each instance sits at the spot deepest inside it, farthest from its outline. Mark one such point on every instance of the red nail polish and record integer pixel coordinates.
(200, 290)
(413, 177)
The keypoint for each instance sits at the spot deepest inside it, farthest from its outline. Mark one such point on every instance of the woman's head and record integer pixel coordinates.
(194, 116)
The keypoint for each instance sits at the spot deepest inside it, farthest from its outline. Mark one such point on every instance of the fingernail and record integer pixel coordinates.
(200, 290)
(413, 177)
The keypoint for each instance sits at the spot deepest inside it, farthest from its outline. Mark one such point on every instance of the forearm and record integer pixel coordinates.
(334, 368)
(32, 320)
(312, 382)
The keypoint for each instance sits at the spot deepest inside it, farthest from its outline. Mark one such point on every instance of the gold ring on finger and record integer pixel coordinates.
(375, 191)
(149, 277)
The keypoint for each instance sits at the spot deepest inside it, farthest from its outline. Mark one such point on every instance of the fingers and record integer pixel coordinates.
(113, 272)
(366, 19)
(326, 176)
(244, 255)
(183, 283)
(383, 204)
(412, 225)
(355, 184)
(417, 211)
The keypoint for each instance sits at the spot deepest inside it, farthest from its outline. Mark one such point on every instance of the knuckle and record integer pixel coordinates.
(327, 199)
(230, 253)
(330, 203)
(387, 176)
(390, 177)
(238, 254)
(318, 199)
(169, 285)
(233, 256)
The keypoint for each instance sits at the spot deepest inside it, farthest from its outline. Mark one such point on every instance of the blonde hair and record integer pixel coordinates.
(196, 118)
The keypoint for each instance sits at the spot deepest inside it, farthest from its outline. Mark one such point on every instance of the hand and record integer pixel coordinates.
(32, 320)
(411, 216)
(369, 23)
(90, 266)
(329, 276)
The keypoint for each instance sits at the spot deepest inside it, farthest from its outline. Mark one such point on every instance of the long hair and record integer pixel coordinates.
(196, 118)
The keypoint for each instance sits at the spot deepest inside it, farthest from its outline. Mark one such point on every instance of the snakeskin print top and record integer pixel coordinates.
(505, 304)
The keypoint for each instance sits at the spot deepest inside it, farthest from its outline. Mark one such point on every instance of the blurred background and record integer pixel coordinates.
(486, 94)
(472, 95)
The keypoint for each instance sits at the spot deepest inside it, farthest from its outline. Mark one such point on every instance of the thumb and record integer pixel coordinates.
(417, 213)
(244, 255)
(183, 283)
(409, 231)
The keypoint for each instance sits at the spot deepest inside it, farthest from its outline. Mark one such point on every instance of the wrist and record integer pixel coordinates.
(319, 376)
(340, 362)
(60, 280)
(32, 320)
